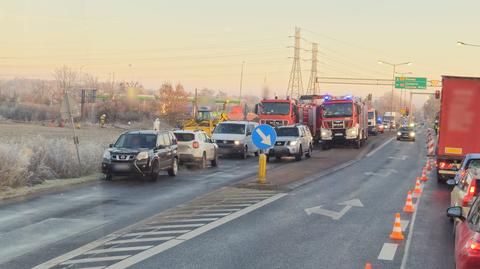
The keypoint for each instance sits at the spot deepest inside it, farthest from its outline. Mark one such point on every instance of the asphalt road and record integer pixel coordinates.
(268, 229)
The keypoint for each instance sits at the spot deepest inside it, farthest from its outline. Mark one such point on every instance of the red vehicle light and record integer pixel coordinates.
(445, 165)
(472, 192)
(473, 245)
(195, 145)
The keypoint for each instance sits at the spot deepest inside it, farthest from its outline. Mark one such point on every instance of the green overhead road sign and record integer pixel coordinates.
(410, 83)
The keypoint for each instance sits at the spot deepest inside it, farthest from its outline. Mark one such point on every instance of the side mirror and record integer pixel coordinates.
(110, 145)
(455, 212)
(451, 182)
(249, 133)
(256, 108)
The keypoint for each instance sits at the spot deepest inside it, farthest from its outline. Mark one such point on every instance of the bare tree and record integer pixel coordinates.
(65, 77)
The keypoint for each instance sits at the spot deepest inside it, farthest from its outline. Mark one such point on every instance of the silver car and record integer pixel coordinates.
(292, 140)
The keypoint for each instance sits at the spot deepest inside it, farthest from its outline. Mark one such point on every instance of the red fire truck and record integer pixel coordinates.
(277, 112)
(344, 120)
(310, 113)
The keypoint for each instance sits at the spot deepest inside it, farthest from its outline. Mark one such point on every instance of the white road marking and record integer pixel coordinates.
(379, 147)
(403, 158)
(388, 252)
(139, 240)
(95, 267)
(194, 220)
(333, 214)
(96, 259)
(404, 224)
(174, 242)
(389, 172)
(172, 226)
(156, 233)
(410, 235)
(110, 250)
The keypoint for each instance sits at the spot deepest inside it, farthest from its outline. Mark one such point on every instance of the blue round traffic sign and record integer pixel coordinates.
(264, 136)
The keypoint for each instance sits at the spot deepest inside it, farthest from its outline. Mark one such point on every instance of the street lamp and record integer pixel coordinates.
(393, 76)
(460, 43)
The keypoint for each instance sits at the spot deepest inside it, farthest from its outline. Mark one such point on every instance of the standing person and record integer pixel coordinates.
(103, 119)
(156, 124)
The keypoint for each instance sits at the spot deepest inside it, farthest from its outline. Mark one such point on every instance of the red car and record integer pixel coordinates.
(381, 128)
(467, 236)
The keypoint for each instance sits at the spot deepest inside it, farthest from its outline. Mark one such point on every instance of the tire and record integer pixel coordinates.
(298, 157)
(203, 162)
(257, 153)
(309, 152)
(154, 174)
(108, 177)
(244, 154)
(357, 144)
(214, 162)
(440, 178)
(173, 171)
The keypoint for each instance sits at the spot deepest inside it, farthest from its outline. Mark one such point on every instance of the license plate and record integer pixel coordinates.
(338, 134)
(122, 166)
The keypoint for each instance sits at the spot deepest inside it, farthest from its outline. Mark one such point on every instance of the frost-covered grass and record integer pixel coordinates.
(33, 160)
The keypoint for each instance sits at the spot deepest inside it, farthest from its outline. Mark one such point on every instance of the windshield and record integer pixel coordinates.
(276, 108)
(134, 141)
(287, 131)
(337, 110)
(184, 136)
(230, 128)
(406, 129)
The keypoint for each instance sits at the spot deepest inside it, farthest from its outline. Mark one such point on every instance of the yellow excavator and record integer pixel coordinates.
(204, 119)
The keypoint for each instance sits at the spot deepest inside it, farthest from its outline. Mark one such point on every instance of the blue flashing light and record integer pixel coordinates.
(347, 97)
(327, 98)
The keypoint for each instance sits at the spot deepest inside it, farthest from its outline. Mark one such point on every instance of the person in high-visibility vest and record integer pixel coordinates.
(103, 119)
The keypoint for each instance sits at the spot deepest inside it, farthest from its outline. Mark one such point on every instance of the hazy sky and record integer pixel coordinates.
(203, 43)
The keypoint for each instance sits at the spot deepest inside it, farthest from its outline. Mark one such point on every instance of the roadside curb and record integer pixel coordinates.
(49, 186)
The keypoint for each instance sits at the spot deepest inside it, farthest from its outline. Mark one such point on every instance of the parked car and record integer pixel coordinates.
(471, 160)
(235, 138)
(292, 140)
(465, 190)
(196, 147)
(467, 236)
(406, 133)
(144, 153)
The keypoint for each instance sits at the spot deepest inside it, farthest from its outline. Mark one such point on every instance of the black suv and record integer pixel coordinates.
(143, 153)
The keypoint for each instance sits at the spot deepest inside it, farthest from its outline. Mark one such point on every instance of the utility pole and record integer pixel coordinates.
(312, 83)
(295, 84)
(241, 80)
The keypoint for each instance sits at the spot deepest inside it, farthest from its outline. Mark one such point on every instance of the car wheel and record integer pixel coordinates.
(244, 153)
(298, 157)
(309, 152)
(214, 162)
(203, 162)
(257, 153)
(108, 177)
(174, 169)
(155, 171)
(357, 144)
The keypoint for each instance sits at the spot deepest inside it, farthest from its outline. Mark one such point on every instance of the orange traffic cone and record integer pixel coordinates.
(424, 176)
(429, 166)
(397, 229)
(409, 204)
(368, 265)
(418, 189)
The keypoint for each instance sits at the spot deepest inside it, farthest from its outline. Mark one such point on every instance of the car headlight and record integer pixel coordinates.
(352, 131)
(293, 143)
(107, 155)
(236, 142)
(399, 134)
(412, 134)
(142, 155)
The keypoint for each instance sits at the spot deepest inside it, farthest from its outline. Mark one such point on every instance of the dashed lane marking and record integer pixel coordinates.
(388, 252)
(163, 231)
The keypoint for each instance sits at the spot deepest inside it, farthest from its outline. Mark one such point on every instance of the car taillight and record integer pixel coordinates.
(472, 191)
(195, 145)
(473, 245)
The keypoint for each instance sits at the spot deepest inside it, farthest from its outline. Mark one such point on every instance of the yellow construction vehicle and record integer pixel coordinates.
(204, 119)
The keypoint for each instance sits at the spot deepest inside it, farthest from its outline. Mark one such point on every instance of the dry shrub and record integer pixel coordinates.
(32, 160)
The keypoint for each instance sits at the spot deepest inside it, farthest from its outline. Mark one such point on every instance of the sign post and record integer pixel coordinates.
(263, 137)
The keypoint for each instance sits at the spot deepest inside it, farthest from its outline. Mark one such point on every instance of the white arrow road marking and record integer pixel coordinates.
(389, 172)
(403, 157)
(265, 138)
(333, 214)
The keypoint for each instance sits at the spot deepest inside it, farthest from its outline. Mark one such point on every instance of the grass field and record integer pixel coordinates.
(31, 154)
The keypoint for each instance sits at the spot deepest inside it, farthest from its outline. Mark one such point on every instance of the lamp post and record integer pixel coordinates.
(393, 77)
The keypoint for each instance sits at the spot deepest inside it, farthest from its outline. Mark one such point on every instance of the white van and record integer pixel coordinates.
(235, 138)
